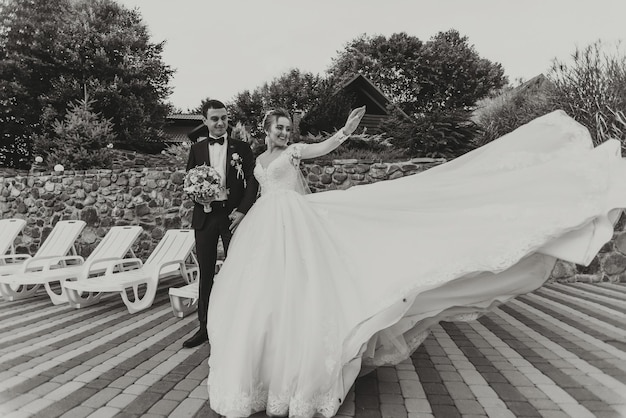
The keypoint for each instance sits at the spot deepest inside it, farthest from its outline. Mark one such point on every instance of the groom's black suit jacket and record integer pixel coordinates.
(241, 194)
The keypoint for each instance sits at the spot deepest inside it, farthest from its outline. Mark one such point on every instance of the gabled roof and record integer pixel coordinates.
(184, 116)
(184, 126)
(365, 86)
(537, 83)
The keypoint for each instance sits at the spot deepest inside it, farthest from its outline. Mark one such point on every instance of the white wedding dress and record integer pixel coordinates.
(317, 286)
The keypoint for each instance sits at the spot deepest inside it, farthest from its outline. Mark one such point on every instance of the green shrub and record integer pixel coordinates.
(440, 133)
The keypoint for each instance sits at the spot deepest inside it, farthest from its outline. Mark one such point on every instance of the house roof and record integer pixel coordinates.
(182, 127)
(537, 83)
(184, 116)
(176, 133)
(365, 86)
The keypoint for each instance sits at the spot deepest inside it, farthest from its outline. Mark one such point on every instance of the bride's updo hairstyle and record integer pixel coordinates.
(272, 116)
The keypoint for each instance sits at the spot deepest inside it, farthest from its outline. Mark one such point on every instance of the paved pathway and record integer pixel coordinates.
(559, 352)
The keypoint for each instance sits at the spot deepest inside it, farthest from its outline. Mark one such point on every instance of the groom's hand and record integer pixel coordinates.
(235, 217)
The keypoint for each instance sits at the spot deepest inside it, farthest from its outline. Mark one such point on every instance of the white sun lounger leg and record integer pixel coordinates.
(184, 300)
(17, 292)
(144, 302)
(56, 298)
(78, 299)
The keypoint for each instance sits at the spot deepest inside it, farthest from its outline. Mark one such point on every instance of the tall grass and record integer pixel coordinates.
(592, 89)
(512, 108)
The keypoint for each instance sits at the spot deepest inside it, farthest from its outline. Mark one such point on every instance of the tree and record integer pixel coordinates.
(78, 142)
(52, 51)
(330, 110)
(31, 47)
(443, 73)
(294, 90)
(435, 83)
(457, 76)
(391, 64)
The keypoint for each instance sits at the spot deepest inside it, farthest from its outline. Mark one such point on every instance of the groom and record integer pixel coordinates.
(234, 161)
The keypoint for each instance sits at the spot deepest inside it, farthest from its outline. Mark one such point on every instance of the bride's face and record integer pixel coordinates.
(279, 132)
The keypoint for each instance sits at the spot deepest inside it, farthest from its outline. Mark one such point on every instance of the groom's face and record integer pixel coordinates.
(217, 121)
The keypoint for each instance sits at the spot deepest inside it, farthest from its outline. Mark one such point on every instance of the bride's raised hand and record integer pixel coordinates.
(353, 120)
(324, 147)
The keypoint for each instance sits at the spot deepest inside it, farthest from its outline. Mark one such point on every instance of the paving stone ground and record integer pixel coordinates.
(558, 352)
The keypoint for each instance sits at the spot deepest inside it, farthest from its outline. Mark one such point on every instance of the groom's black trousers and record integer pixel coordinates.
(216, 224)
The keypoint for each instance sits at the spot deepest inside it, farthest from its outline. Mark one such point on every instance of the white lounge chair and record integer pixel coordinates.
(172, 257)
(115, 245)
(184, 300)
(58, 243)
(9, 230)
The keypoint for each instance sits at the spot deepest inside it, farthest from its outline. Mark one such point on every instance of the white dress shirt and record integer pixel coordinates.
(217, 160)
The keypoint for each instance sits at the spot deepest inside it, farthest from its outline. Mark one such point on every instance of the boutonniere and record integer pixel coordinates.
(236, 162)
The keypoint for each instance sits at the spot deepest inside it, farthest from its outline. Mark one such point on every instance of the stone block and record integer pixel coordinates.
(563, 270)
(620, 242)
(614, 263)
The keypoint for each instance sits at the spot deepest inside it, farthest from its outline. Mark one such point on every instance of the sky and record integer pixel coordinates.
(221, 48)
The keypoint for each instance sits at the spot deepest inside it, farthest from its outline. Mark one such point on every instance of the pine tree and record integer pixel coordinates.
(79, 140)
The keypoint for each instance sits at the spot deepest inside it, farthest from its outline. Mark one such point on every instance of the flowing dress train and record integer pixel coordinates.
(318, 286)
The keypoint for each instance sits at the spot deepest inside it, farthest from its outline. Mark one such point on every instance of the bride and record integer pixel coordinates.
(317, 286)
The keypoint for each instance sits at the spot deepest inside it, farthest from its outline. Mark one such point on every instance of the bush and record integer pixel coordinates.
(177, 155)
(388, 155)
(143, 147)
(362, 146)
(592, 89)
(79, 141)
(512, 108)
(440, 133)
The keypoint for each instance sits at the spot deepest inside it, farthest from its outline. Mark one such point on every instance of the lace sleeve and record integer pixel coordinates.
(294, 152)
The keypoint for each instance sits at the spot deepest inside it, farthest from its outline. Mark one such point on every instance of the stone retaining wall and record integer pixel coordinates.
(153, 198)
(608, 266)
(150, 197)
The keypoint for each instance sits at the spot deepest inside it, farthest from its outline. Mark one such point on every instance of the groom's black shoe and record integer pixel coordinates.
(198, 338)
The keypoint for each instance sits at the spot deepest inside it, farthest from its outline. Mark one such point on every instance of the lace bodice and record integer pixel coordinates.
(282, 173)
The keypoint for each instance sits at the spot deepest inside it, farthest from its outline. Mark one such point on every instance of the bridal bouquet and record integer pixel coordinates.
(203, 184)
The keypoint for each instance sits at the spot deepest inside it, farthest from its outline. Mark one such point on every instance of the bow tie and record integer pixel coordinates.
(219, 140)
